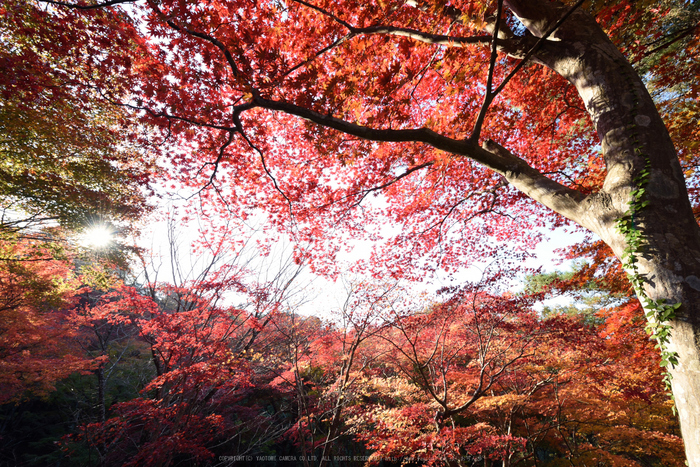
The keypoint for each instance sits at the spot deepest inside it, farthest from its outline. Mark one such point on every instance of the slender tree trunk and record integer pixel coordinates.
(336, 422)
(633, 137)
(101, 383)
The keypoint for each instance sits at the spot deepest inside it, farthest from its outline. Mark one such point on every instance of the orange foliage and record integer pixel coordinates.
(36, 348)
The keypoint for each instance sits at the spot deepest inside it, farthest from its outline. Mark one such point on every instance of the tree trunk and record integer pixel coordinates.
(101, 383)
(632, 137)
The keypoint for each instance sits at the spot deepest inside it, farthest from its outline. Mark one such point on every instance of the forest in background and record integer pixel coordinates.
(105, 362)
(100, 370)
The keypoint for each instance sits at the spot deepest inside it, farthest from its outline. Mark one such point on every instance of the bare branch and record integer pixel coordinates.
(489, 94)
(437, 39)
(678, 36)
(364, 193)
(216, 163)
(269, 174)
(87, 7)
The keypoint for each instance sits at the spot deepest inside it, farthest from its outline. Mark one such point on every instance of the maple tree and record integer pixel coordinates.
(66, 155)
(207, 378)
(611, 308)
(44, 343)
(103, 337)
(450, 357)
(364, 304)
(193, 368)
(300, 377)
(344, 353)
(480, 378)
(36, 290)
(454, 112)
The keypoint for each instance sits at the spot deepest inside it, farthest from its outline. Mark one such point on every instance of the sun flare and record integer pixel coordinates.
(99, 236)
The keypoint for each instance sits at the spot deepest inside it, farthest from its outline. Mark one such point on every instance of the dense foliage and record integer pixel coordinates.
(172, 374)
(333, 122)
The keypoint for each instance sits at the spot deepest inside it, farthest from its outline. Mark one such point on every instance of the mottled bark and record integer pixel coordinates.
(632, 134)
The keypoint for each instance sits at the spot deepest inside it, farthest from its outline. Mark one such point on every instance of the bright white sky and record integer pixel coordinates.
(313, 294)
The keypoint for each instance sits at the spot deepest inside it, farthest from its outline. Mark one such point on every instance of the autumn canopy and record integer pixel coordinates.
(447, 133)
